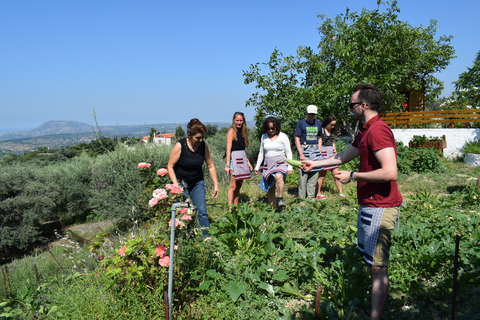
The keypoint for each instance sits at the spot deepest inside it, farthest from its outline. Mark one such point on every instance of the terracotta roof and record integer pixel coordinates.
(168, 135)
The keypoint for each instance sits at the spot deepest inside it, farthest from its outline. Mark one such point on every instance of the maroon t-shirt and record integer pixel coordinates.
(375, 135)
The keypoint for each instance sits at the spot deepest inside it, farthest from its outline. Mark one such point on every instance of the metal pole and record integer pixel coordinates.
(175, 206)
(455, 275)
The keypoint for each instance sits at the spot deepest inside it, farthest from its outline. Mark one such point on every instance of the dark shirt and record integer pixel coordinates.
(327, 140)
(238, 144)
(189, 167)
(309, 132)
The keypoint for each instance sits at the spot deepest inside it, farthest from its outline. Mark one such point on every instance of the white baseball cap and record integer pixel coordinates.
(312, 109)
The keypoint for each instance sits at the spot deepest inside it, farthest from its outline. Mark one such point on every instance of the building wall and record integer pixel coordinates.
(456, 138)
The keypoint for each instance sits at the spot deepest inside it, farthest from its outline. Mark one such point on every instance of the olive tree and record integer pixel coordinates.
(368, 47)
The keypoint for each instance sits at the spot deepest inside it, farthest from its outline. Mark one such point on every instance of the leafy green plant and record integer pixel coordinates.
(426, 160)
(471, 147)
(418, 141)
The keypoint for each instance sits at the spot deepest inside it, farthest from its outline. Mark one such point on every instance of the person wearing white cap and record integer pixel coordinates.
(308, 140)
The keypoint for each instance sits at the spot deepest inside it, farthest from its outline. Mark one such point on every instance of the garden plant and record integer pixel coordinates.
(260, 263)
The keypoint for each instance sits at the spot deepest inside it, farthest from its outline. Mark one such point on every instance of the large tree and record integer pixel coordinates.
(467, 86)
(371, 46)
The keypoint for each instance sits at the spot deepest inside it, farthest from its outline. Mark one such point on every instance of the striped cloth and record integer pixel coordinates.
(328, 152)
(272, 165)
(368, 228)
(241, 169)
(311, 152)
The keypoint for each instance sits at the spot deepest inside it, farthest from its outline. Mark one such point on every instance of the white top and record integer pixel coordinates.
(279, 146)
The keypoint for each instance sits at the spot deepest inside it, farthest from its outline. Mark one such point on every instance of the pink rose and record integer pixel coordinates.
(177, 190)
(182, 211)
(143, 165)
(160, 251)
(186, 217)
(161, 172)
(169, 186)
(153, 202)
(160, 194)
(122, 251)
(164, 261)
(175, 247)
(177, 222)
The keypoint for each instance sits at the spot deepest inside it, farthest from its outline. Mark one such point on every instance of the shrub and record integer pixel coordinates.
(426, 160)
(471, 147)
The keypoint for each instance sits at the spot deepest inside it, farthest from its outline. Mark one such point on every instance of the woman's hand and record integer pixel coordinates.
(227, 170)
(290, 172)
(257, 171)
(215, 192)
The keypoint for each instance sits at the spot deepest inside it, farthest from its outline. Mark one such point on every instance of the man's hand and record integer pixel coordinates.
(343, 176)
(307, 165)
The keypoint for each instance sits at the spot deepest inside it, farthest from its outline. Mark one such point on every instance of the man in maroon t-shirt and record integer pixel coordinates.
(377, 188)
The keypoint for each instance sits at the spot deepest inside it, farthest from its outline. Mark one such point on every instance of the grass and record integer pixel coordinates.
(275, 262)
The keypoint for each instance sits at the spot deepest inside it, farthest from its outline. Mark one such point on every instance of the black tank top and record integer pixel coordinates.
(238, 144)
(189, 167)
(327, 140)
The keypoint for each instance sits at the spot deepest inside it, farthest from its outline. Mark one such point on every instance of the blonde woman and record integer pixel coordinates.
(237, 165)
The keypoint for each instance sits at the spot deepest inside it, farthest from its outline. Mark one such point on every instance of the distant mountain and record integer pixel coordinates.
(57, 133)
(48, 128)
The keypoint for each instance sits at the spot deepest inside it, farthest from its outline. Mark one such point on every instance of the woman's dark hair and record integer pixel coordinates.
(273, 120)
(328, 120)
(194, 127)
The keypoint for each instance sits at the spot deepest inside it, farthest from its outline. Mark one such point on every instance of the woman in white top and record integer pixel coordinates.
(274, 148)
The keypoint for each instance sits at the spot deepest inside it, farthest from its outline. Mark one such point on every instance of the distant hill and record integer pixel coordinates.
(57, 133)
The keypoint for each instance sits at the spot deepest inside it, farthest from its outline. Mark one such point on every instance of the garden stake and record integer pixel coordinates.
(317, 301)
(6, 281)
(165, 299)
(455, 275)
(48, 249)
(175, 206)
(35, 271)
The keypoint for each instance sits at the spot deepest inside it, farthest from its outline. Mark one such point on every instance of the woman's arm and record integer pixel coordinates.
(260, 157)
(230, 135)
(172, 161)
(211, 169)
(288, 150)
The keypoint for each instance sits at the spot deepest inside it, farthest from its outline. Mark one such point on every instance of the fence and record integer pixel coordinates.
(405, 119)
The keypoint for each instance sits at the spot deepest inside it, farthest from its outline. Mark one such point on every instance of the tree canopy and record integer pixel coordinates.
(368, 47)
(467, 86)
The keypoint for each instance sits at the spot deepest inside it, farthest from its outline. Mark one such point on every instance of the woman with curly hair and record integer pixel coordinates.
(274, 148)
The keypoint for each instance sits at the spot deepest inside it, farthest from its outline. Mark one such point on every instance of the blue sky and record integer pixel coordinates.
(136, 62)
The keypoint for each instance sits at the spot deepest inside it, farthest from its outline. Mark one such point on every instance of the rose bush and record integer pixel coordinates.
(143, 262)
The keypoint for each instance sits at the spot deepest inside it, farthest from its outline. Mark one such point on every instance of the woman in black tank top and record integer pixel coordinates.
(328, 150)
(185, 168)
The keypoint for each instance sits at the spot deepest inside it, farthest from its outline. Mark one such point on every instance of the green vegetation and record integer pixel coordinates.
(260, 263)
(468, 84)
(472, 147)
(371, 46)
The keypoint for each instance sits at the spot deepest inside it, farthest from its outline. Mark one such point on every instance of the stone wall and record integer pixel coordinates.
(456, 138)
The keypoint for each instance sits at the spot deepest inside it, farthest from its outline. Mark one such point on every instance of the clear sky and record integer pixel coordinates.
(137, 62)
